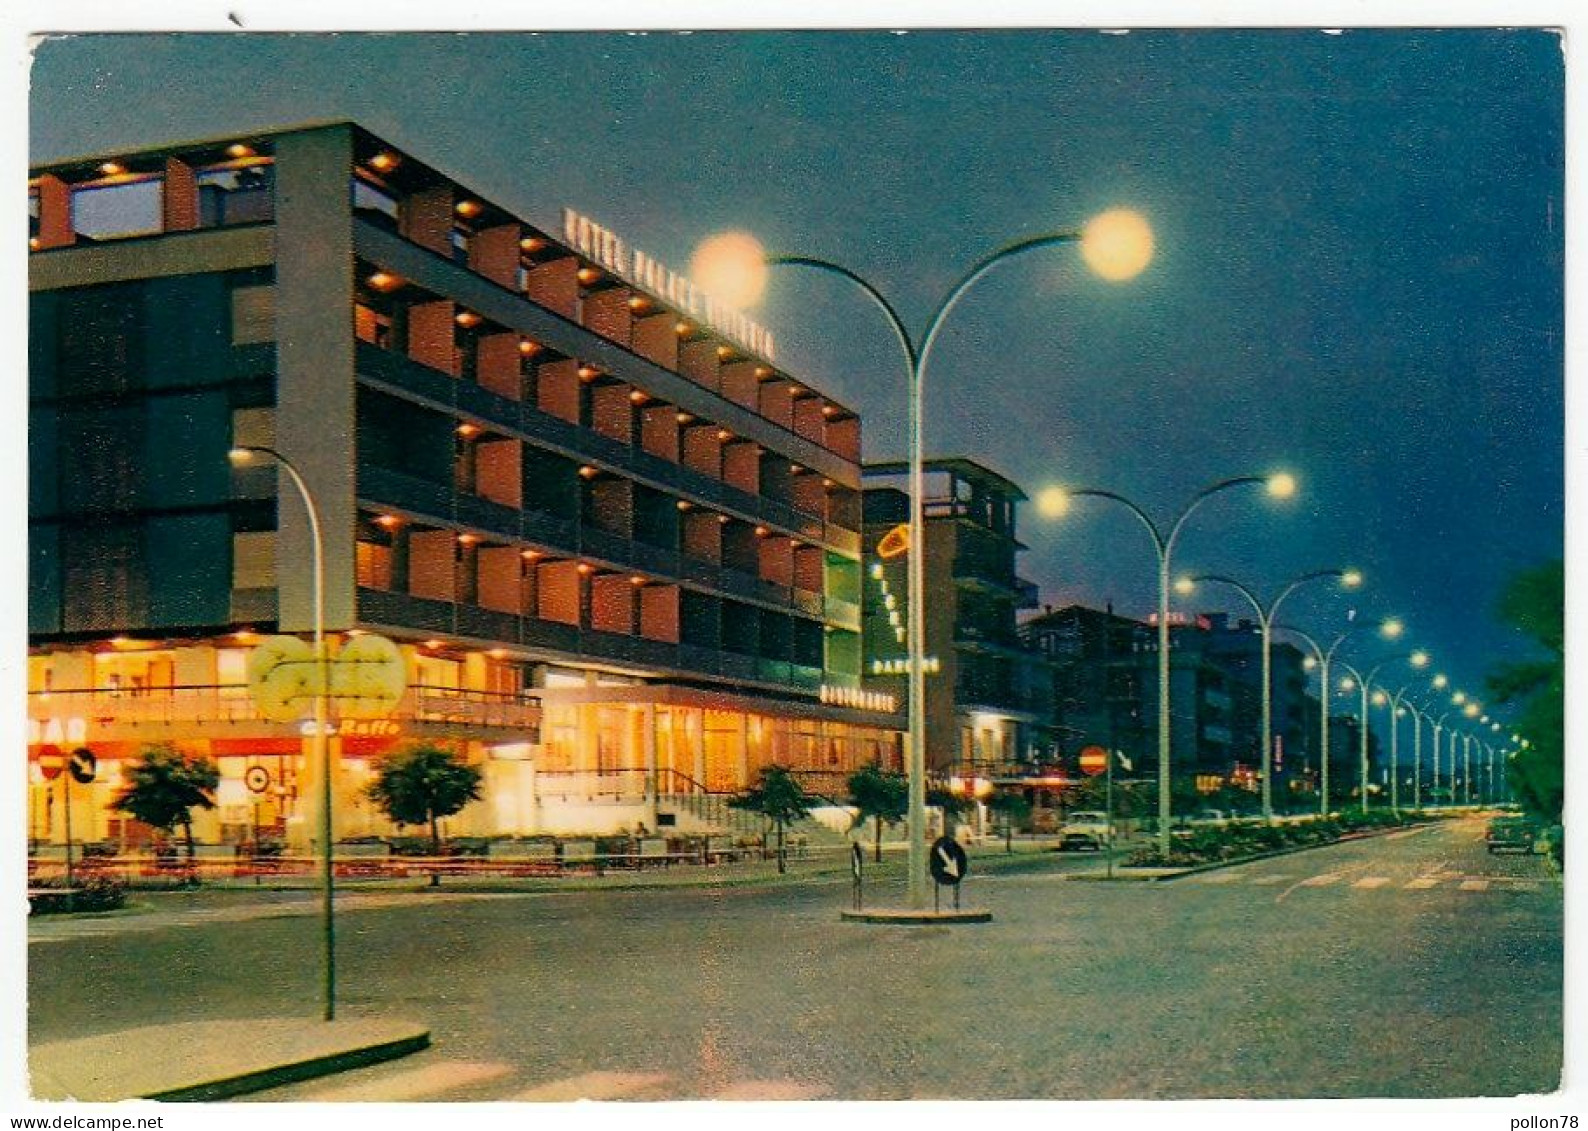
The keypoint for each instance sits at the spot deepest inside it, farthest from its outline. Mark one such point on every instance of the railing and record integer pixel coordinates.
(195, 703)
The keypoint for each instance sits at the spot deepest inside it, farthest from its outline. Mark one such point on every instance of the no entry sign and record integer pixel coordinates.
(51, 762)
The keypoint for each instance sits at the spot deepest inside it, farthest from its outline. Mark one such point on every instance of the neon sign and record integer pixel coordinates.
(604, 246)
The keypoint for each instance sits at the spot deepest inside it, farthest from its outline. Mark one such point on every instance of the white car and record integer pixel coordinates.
(1084, 830)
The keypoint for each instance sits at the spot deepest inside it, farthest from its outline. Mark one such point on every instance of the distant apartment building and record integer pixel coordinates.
(1106, 694)
(989, 695)
(618, 545)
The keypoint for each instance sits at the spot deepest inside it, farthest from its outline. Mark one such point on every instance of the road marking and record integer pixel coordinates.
(1422, 883)
(1474, 885)
(417, 1083)
(1370, 882)
(1267, 881)
(1320, 881)
(769, 1090)
(1525, 885)
(1219, 878)
(593, 1086)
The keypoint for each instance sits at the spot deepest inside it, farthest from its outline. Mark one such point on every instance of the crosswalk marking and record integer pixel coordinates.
(593, 1086)
(1267, 881)
(1422, 883)
(1219, 878)
(1474, 885)
(1323, 880)
(430, 1080)
(768, 1090)
(1371, 882)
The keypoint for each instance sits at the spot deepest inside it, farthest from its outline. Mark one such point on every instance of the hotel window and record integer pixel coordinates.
(372, 326)
(374, 566)
(254, 559)
(231, 672)
(253, 314)
(117, 210)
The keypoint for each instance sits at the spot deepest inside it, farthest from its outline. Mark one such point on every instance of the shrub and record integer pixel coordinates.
(99, 892)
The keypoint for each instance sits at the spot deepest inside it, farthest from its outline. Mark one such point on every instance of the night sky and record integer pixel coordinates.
(1358, 274)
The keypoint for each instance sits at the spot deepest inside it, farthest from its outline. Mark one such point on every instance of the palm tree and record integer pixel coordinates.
(164, 788)
(778, 797)
(421, 784)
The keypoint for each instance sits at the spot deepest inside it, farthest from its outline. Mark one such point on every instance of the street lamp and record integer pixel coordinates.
(1117, 245)
(1349, 579)
(1417, 659)
(1054, 502)
(1322, 658)
(241, 456)
(1399, 703)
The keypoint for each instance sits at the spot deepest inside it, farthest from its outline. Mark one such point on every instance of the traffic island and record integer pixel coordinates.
(909, 918)
(213, 1060)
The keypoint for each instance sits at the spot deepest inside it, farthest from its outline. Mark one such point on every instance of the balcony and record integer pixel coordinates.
(227, 711)
(394, 372)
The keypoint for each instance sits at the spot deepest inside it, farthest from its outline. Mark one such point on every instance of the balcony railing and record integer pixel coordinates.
(232, 703)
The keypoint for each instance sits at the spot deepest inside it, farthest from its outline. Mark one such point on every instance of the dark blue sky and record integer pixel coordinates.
(1358, 272)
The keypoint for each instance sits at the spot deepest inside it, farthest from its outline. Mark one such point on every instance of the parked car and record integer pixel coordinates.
(1512, 834)
(1084, 830)
(1215, 817)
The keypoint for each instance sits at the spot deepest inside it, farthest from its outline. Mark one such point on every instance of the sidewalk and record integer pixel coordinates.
(211, 1060)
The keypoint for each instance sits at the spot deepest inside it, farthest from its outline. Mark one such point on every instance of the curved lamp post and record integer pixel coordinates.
(1365, 683)
(1398, 705)
(1105, 258)
(241, 456)
(1349, 579)
(1054, 501)
(1322, 658)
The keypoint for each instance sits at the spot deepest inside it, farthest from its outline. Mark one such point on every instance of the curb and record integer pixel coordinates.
(170, 1063)
(278, 1075)
(916, 918)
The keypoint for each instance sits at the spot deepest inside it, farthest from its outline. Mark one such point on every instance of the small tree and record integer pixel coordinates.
(879, 795)
(165, 786)
(421, 784)
(1013, 808)
(952, 804)
(778, 797)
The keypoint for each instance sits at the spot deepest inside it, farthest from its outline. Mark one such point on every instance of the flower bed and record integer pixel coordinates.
(1242, 841)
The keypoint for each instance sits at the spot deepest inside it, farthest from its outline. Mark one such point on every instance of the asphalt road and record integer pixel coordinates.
(1408, 965)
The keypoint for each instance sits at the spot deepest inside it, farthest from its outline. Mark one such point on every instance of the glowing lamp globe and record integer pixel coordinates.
(1053, 502)
(731, 268)
(1117, 244)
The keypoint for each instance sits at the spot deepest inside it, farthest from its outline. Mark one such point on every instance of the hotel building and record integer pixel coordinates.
(989, 698)
(618, 546)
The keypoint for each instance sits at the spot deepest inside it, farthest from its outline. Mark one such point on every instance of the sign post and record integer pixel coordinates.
(856, 868)
(948, 864)
(79, 768)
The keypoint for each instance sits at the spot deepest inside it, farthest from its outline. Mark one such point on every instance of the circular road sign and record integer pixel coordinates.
(82, 766)
(51, 762)
(948, 861)
(257, 779)
(1094, 760)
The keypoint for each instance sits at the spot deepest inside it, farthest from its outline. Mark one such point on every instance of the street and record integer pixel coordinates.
(1407, 965)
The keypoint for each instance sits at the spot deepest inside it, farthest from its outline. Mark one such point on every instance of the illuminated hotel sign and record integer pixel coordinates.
(901, 666)
(839, 696)
(603, 246)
